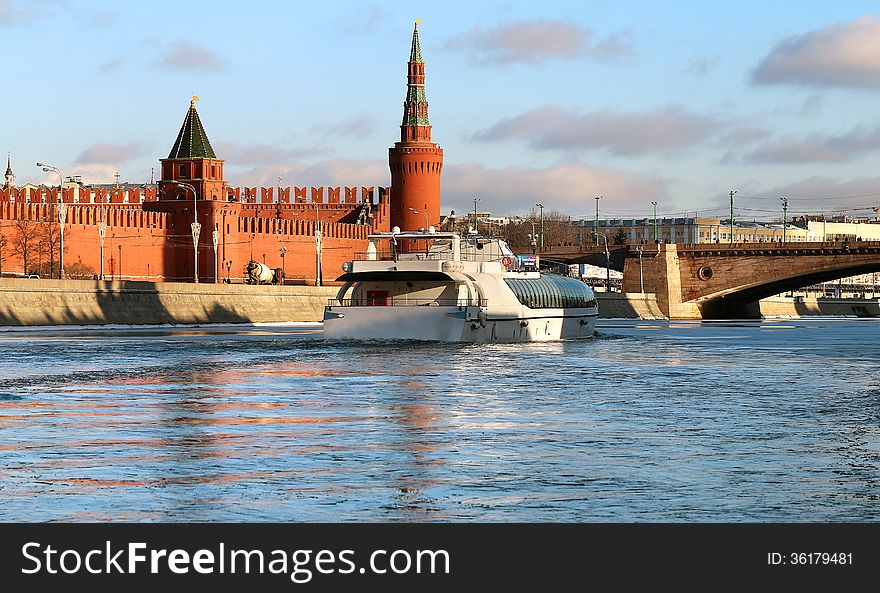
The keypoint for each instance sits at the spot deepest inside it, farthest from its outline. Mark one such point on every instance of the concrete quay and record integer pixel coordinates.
(29, 302)
(32, 302)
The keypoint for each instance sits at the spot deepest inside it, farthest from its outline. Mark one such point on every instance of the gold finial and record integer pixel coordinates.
(193, 100)
(418, 21)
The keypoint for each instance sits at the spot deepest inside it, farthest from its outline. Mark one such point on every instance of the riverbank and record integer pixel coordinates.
(28, 302)
(32, 302)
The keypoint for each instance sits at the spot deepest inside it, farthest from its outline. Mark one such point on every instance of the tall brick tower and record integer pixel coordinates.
(192, 161)
(415, 161)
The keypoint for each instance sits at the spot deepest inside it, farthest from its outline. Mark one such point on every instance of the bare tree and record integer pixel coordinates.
(558, 231)
(4, 242)
(50, 236)
(25, 241)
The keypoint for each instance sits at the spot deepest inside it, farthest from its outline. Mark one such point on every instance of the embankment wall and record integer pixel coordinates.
(25, 302)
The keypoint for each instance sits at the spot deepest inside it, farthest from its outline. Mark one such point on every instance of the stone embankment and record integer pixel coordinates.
(25, 301)
(29, 302)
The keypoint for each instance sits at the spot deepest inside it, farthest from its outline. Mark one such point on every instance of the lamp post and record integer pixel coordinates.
(228, 268)
(196, 228)
(533, 237)
(733, 191)
(654, 204)
(541, 206)
(319, 245)
(784, 216)
(608, 265)
(423, 214)
(62, 213)
(102, 234)
(215, 236)
(475, 212)
(596, 228)
(282, 251)
(641, 277)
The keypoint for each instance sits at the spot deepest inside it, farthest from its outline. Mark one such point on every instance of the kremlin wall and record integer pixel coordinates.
(308, 232)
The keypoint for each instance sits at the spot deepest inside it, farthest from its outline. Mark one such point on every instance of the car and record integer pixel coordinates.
(32, 276)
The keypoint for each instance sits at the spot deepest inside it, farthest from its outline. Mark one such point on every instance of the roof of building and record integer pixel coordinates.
(413, 114)
(415, 54)
(192, 141)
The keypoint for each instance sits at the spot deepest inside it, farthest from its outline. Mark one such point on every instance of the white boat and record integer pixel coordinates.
(447, 287)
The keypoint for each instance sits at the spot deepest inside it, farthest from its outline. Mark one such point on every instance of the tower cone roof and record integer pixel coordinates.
(9, 165)
(415, 54)
(192, 141)
(415, 106)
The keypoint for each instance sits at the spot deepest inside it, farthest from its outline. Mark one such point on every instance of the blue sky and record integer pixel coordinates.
(551, 102)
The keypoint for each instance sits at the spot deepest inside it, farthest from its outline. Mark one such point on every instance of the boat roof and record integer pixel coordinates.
(414, 235)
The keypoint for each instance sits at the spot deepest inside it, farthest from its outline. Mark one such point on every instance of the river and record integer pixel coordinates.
(777, 420)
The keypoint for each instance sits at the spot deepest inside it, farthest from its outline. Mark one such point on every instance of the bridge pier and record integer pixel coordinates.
(657, 271)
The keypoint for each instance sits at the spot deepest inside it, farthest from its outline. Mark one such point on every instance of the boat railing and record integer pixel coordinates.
(404, 301)
(423, 256)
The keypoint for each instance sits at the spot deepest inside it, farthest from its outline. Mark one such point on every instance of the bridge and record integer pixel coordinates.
(723, 280)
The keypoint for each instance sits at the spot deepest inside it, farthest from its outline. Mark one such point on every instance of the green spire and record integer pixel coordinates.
(415, 54)
(415, 107)
(192, 141)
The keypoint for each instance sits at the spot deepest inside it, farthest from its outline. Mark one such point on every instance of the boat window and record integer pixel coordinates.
(554, 292)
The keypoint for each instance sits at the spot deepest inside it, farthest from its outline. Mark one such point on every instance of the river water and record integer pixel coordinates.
(650, 421)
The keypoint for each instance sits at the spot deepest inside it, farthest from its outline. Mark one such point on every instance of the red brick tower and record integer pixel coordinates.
(415, 161)
(192, 161)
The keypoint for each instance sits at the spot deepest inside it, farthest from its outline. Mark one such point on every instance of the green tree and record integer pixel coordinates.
(620, 237)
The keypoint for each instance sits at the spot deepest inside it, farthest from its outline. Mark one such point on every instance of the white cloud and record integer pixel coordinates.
(236, 154)
(568, 188)
(189, 56)
(846, 54)
(669, 128)
(816, 148)
(536, 41)
(109, 154)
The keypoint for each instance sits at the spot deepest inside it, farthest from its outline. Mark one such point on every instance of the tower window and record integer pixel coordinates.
(183, 170)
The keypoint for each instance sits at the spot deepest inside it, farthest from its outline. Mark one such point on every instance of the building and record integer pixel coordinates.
(415, 162)
(820, 230)
(194, 226)
(694, 229)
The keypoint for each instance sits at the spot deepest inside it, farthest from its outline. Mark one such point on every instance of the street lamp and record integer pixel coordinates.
(784, 216)
(533, 237)
(215, 238)
(654, 204)
(195, 226)
(608, 264)
(641, 276)
(62, 213)
(596, 230)
(282, 251)
(541, 206)
(423, 214)
(475, 213)
(102, 234)
(733, 191)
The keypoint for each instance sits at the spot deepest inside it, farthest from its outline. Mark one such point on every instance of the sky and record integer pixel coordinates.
(548, 102)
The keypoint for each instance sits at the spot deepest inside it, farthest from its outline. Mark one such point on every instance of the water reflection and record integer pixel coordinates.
(772, 421)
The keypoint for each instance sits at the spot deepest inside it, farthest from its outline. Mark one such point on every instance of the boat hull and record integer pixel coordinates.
(458, 324)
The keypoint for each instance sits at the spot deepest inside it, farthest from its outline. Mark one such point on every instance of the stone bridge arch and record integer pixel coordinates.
(711, 281)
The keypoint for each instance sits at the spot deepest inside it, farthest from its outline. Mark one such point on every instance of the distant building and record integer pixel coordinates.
(838, 231)
(691, 230)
